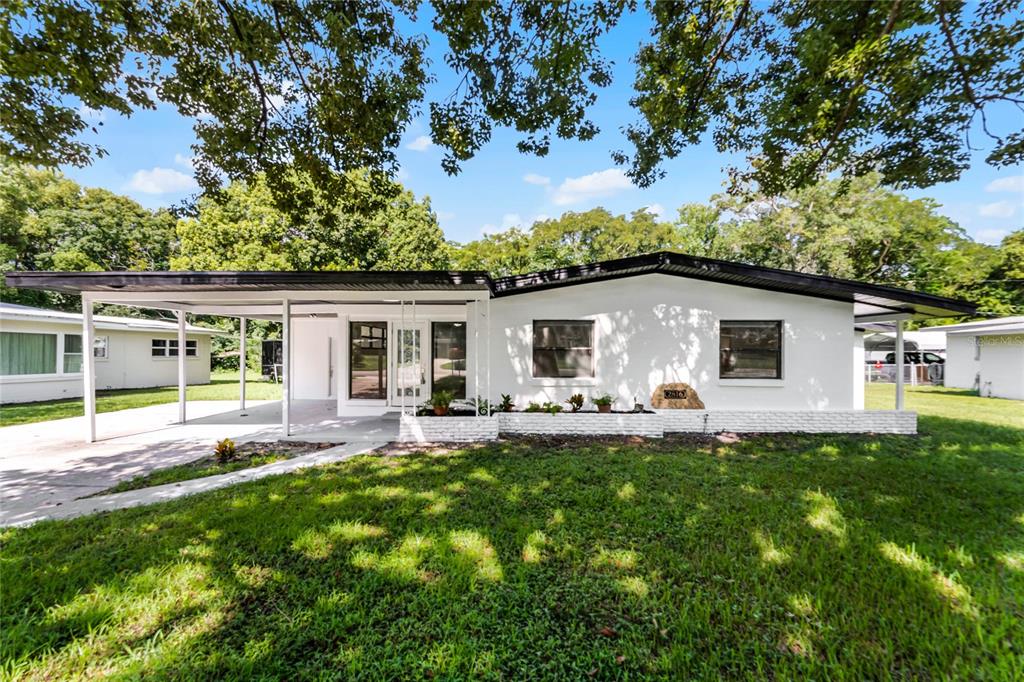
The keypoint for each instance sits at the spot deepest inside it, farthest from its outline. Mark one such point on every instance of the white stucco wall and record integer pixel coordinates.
(859, 373)
(961, 367)
(1002, 366)
(129, 364)
(654, 329)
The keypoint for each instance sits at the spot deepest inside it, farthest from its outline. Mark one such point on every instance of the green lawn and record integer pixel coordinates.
(222, 386)
(954, 403)
(787, 557)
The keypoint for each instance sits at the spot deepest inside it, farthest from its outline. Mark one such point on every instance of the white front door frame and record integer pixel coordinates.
(395, 371)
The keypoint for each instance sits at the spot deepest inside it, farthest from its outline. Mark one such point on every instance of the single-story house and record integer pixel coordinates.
(761, 349)
(987, 356)
(41, 353)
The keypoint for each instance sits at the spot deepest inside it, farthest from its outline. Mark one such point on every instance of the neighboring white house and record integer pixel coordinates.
(41, 353)
(987, 356)
(764, 349)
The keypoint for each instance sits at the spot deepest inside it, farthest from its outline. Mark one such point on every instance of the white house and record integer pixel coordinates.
(987, 356)
(764, 349)
(41, 353)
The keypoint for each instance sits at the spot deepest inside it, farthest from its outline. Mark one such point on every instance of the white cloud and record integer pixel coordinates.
(510, 220)
(161, 181)
(999, 209)
(1011, 183)
(534, 179)
(184, 161)
(90, 114)
(420, 144)
(991, 235)
(596, 185)
(656, 210)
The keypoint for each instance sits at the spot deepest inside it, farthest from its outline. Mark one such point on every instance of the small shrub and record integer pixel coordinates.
(440, 401)
(550, 408)
(575, 402)
(506, 403)
(225, 451)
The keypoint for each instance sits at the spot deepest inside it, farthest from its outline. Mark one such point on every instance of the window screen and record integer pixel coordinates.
(563, 348)
(750, 349)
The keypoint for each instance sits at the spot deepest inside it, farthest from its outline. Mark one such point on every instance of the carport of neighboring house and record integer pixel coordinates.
(354, 344)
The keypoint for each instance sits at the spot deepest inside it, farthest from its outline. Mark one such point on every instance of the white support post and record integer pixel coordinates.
(490, 394)
(286, 366)
(476, 356)
(88, 370)
(400, 355)
(242, 364)
(899, 365)
(182, 381)
(340, 365)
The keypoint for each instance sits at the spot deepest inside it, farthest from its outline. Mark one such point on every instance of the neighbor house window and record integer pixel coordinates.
(448, 366)
(563, 348)
(73, 351)
(22, 353)
(750, 349)
(168, 348)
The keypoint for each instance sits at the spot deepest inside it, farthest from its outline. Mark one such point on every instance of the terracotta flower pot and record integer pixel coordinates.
(604, 408)
(440, 411)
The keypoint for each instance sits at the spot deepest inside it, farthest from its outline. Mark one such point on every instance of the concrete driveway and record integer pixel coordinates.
(46, 464)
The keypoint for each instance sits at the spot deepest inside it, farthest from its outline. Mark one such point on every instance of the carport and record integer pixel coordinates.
(405, 298)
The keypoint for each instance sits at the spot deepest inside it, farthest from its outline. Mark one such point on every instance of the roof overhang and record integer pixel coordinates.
(872, 302)
(259, 294)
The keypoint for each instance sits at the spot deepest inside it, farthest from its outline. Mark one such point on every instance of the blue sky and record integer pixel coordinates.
(149, 161)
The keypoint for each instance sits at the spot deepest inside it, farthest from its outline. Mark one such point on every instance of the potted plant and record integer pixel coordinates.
(575, 402)
(604, 402)
(506, 403)
(440, 401)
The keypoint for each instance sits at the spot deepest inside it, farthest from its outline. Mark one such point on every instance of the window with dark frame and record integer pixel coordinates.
(168, 348)
(563, 348)
(750, 349)
(368, 361)
(448, 360)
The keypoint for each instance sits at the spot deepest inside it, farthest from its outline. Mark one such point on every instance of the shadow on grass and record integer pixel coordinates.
(798, 555)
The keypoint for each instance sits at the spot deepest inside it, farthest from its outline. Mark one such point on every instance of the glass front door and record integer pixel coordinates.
(409, 365)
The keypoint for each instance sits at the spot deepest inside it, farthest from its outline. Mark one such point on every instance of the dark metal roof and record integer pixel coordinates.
(347, 280)
(869, 297)
(740, 274)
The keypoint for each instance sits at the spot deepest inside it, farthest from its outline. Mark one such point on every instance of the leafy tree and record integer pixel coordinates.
(800, 88)
(572, 239)
(49, 222)
(812, 88)
(242, 228)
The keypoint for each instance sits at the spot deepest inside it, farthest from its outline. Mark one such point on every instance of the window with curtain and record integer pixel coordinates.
(23, 353)
(563, 348)
(750, 349)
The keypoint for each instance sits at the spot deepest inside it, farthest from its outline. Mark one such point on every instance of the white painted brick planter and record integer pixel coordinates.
(469, 429)
(580, 424)
(805, 421)
(413, 429)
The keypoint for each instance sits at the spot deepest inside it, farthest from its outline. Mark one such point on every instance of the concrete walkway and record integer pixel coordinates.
(172, 491)
(46, 465)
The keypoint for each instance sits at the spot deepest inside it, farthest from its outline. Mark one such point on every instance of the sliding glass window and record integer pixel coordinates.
(368, 361)
(449, 358)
